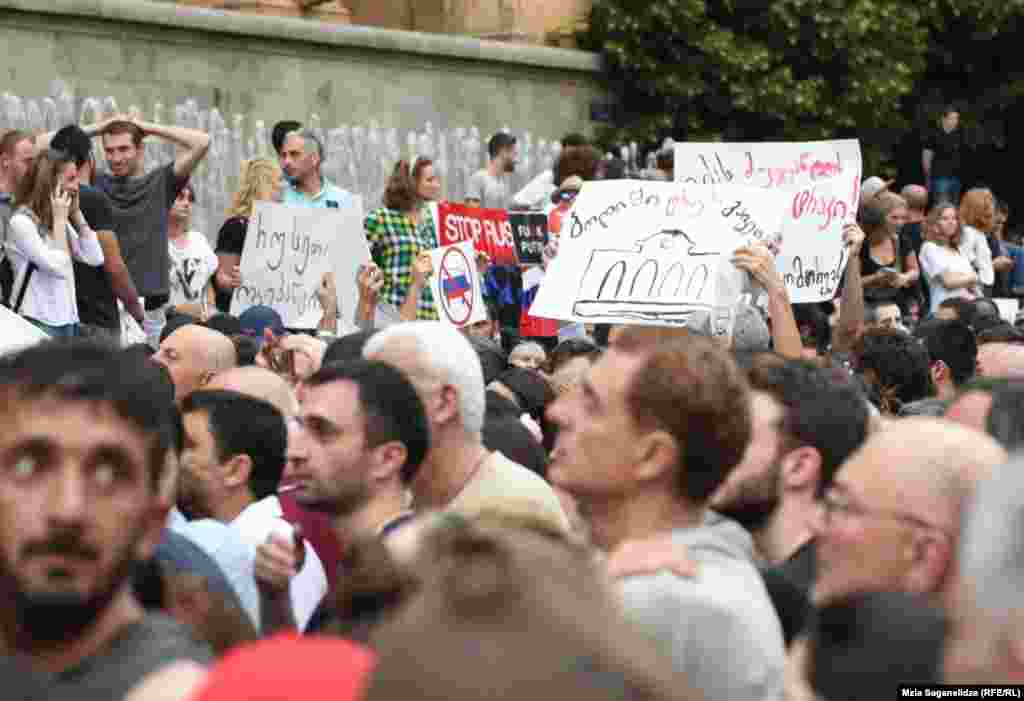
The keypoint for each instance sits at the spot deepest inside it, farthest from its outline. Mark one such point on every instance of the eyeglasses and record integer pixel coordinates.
(837, 505)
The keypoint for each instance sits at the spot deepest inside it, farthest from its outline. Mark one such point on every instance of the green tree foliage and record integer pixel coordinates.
(754, 69)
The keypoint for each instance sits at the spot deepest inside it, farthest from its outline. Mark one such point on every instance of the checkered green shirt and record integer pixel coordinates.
(395, 241)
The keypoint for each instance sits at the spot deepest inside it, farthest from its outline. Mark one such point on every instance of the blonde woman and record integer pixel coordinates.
(259, 181)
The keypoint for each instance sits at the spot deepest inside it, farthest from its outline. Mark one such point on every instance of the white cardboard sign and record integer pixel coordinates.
(641, 252)
(822, 182)
(458, 294)
(16, 334)
(287, 252)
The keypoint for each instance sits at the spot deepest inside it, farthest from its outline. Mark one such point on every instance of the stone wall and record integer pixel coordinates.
(376, 94)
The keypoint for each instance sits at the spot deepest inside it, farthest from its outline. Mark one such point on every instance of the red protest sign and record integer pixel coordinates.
(488, 229)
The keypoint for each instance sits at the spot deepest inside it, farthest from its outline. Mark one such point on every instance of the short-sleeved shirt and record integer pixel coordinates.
(230, 239)
(330, 197)
(494, 192)
(947, 152)
(936, 260)
(140, 208)
(395, 241)
(97, 304)
(137, 651)
(192, 266)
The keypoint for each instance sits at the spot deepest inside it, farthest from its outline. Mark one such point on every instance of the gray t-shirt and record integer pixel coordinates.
(140, 207)
(140, 650)
(719, 628)
(493, 192)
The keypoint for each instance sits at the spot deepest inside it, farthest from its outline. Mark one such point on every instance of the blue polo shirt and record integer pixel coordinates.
(330, 197)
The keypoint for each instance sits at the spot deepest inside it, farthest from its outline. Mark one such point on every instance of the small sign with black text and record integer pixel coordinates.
(530, 233)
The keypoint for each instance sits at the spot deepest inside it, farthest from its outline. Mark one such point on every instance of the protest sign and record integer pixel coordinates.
(534, 326)
(530, 235)
(17, 334)
(488, 229)
(1008, 309)
(822, 181)
(287, 252)
(456, 285)
(654, 253)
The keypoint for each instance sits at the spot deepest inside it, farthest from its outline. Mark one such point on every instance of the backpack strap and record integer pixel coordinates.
(24, 288)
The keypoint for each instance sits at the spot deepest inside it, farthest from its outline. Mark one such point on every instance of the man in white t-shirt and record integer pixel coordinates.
(230, 469)
(193, 262)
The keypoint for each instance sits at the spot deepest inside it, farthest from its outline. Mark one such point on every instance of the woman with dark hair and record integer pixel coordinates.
(45, 233)
(401, 234)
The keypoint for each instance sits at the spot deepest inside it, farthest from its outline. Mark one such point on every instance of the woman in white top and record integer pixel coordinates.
(947, 270)
(193, 261)
(45, 232)
(977, 215)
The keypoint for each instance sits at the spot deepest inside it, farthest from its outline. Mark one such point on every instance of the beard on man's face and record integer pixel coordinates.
(334, 502)
(55, 613)
(755, 502)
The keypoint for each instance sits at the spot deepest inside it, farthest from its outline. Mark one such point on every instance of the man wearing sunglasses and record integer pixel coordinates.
(891, 520)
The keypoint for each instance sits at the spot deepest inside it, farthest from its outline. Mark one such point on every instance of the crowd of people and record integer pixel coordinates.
(825, 504)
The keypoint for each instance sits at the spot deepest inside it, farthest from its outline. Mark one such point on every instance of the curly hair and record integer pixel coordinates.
(402, 191)
(254, 183)
(577, 160)
(978, 209)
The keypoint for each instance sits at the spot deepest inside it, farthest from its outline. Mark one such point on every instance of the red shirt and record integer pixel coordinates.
(317, 529)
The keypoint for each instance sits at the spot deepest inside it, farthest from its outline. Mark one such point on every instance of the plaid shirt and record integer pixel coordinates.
(395, 241)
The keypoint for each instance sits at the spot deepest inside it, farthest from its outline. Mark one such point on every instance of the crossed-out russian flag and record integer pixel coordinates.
(456, 286)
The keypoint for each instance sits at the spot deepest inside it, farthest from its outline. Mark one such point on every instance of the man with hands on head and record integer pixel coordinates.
(141, 201)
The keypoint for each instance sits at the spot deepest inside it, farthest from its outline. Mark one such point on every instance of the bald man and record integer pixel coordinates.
(1001, 360)
(260, 383)
(194, 355)
(892, 517)
(971, 409)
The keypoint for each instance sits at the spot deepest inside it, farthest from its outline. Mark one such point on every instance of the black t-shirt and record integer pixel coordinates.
(97, 304)
(801, 567)
(792, 604)
(870, 266)
(947, 152)
(230, 239)
(911, 239)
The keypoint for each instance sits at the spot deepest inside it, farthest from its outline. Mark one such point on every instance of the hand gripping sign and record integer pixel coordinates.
(456, 285)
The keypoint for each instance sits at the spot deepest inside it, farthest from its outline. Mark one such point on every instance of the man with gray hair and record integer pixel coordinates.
(302, 157)
(986, 644)
(459, 474)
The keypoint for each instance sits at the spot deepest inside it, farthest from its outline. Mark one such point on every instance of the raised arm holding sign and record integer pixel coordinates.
(822, 182)
(288, 251)
(655, 253)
